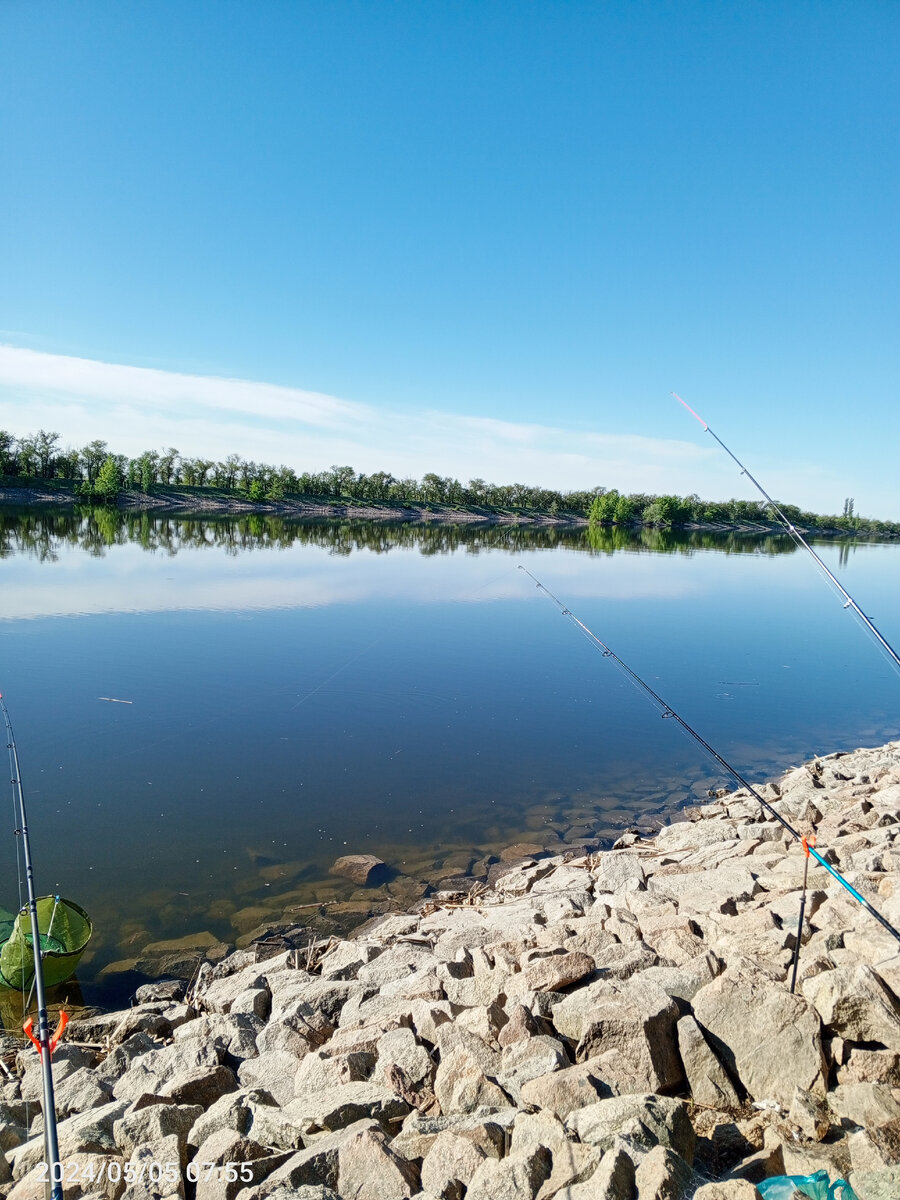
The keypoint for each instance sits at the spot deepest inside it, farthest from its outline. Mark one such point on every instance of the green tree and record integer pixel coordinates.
(225, 473)
(603, 508)
(286, 479)
(106, 483)
(46, 447)
(148, 465)
(664, 510)
(167, 465)
(624, 511)
(68, 464)
(29, 462)
(93, 456)
(475, 491)
(202, 467)
(109, 478)
(188, 472)
(8, 461)
(246, 473)
(341, 479)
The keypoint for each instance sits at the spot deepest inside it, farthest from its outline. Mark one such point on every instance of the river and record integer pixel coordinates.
(209, 712)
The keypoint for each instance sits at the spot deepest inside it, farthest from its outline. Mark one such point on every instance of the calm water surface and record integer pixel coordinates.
(300, 692)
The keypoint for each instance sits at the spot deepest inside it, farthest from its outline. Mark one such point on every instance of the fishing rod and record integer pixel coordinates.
(798, 537)
(668, 712)
(45, 1041)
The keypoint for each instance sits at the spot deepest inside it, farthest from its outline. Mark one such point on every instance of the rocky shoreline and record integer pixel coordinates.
(174, 502)
(615, 1025)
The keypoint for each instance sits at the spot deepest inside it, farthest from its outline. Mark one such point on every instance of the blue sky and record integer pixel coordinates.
(479, 238)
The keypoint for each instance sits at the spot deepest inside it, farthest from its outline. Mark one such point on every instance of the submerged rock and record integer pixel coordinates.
(361, 869)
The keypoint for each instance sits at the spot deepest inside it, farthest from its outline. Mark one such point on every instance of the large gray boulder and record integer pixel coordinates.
(614, 1179)
(84, 1133)
(709, 892)
(685, 981)
(203, 1087)
(633, 1031)
(882, 1184)
(768, 1039)
(461, 1085)
(368, 1169)
(526, 1060)
(864, 1104)
(855, 1003)
(239, 1112)
(487, 1130)
(557, 971)
(154, 1123)
(82, 1090)
(149, 1073)
(650, 1120)
(398, 1049)
(152, 1183)
(516, 1177)
(707, 1078)
(13, 1129)
(449, 1165)
(729, 1189)
(234, 1032)
(274, 1071)
(314, 1166)
(619, 871)
(664, 1175)
(218, 994)
(343, 1105)
(562, 1091)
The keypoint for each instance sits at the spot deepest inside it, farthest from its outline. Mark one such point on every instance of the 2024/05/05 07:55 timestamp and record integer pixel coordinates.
(151, 1172)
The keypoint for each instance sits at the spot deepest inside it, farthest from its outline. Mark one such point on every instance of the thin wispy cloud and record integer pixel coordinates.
(113, 383)
(135, 408)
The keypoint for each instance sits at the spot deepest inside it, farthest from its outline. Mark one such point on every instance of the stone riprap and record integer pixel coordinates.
(612, 1026)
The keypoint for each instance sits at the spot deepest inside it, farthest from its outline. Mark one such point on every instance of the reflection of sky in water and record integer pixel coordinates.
(128, 579)
(298, 705)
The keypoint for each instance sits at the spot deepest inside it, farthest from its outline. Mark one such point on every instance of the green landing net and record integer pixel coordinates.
(65, 930)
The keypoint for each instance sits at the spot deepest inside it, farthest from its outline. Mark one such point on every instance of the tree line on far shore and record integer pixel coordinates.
(98, 474)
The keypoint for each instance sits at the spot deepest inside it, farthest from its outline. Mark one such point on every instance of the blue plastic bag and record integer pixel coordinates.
(817, 1187)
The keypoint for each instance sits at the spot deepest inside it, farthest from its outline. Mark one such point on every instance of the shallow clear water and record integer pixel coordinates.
(301, 692)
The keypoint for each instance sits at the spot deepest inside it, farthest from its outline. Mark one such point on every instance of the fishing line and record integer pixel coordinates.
(669, 713)
(43, 1040)
(798, 537)
(15, 781)
(334, 674)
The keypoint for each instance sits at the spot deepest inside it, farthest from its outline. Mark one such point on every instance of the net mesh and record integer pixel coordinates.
(65, 930)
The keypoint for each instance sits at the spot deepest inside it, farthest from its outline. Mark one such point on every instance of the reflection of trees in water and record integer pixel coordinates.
(606, 539)
(844, 551)
(43, 533)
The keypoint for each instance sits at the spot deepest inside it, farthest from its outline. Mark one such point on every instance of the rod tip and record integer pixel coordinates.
(685, 404)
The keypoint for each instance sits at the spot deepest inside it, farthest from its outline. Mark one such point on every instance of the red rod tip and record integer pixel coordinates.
(690, 410)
